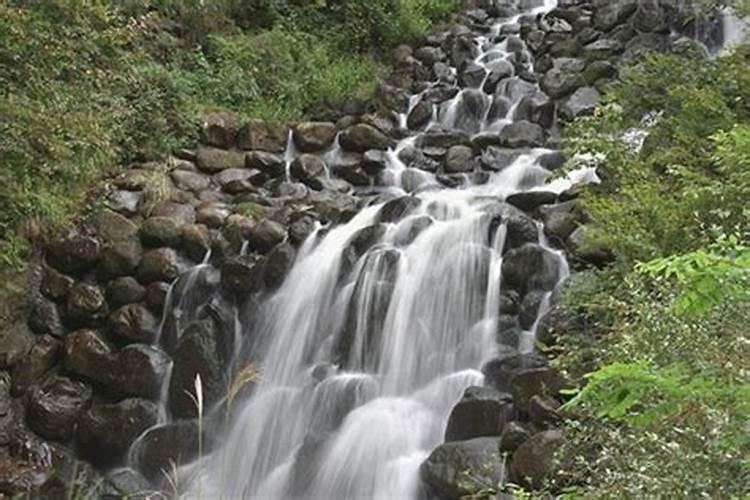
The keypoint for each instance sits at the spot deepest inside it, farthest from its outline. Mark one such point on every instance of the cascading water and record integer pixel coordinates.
(383, 322)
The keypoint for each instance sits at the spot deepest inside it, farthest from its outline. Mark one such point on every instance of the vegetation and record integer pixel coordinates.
(89, 85)
(664, 404)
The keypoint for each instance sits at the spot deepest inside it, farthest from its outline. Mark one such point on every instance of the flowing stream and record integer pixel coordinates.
(382, 323)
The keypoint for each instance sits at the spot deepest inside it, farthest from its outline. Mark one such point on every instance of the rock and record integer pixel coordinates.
(359, 244)
(198, 353)
(644, 43)
(552, 160)
(482, 411)
(86, 304)
(471, 110)
(190, 181)
(89, 356)
(160, 232)
(586, 251)
(472, 75)
(54, 406)
(277, 265)
(125, 202)
(443, 139)
(398, 208)
(243, 274)
(130, 484)
(264, 136)
(74, 254)
(156, 296)
(300, 228)
(106, 431)
(522, 134)
(459, 159)
(410, 229)
(213, 215)
(560, 220)
(158, 265)
(603, 49)
(268, 163)
(463, 468)
(44, 318)
(125, 290)
(219, 128)
(43, 355)
(529, 309)
(141, 370)
(532, 462)
(183, 212)
(543, 410)
(528, 201)
(307, 166)
(55, 285)
(213, 160)
(134, 323)
(374, 161)
(610, 14)
(15, 341)
(419, 115)
(163, 447)
(265, 235)
(122, 250)
(361, 138)
(500, 371)
(561, 81)
(429, 55)
(514, 435)
(311, 137)
(530, 267)
(520, 228)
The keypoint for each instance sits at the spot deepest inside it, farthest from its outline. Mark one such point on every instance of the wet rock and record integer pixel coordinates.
(122, 250)
(265, 235)
(443, 139)
(213, 215)
(603, 49)
(361, 138)
(125, 290)
(125, 202)
(140, 371)
(533, 460)
(55, 285)
(374, 161)
(482, 411)
(86, 304)
(183, 212)
(307, 166)
(553, 160)
(459, 159)
(242, 275)
(610, 14)
(227, 178)
(156, 296)
(300, 228)
(643, 44)
(529, 309)
(563, 79)
(44, 318)
(500, 371)
(277, 265)
(268, 163)
(409, 229)
(419, 115)
(15, 341)
(74, 254)
(162, 447)
(528, 201)
(311, 137)
(89, 356)
(429, 55)
(158, 265)
(543, 410)
(196, 241)
(500, 71)
(520, 228)
(514, 435)
(463, 468)
(160, 231)
(43, 355)
(398, 208)
(106, 431)
(54, 407)
(360, 242)
(264, 136)
(190, 181)
(134, 323)
(471, 110)
(560, 220)
(219, 128)
(496, 159)
(198, 353)
(213, 160)
(391, 98)
(530, 267)
(128, 483)
(522, 134)
(472, 75)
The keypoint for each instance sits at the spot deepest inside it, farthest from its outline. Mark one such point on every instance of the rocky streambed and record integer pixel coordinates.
(327, 224)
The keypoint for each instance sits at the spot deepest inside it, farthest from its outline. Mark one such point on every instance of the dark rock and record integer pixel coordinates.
(610, 14)
(130, 484)
(529, 309)
(76, 253)
(125, 290)
(160, 231)
(268, 163)
(562, 80)
(360, 243)
(410, 229)
(443, 139)
(472, 75)
(163, 447)
(89, 356)
(586, 251)
(141, 370)
(277, 265)
(522, 134)
(196, 241)
(529, 201)
(105, 432)
(429, 55)
(530, 267)
(15, 341)
(307, 166)
(190, 181)
(55, 285)
(86, 304)
(264, 136)
(213, 215)
(560, 220)
(643, 44)
(44, 318)
(219, 128)
(361, 138)
(122, 250)
(419, 115)
(212, 160)
(158, 265)
(603, 49)
(482, 411)
(156, 296)
(242, 275)
(198, 353)
(552, 160)
(500, 371)
(520, 228)
(43, 355)
(514, 435)
(533, 460)
(459, 159)
(496, 159)
(54, 407)
(134, 323)
(463, 468)
(398, 208)
(265, 235)
(543, 410)
(470, 110)
(311, 137)
(374, 161)
(300, 228)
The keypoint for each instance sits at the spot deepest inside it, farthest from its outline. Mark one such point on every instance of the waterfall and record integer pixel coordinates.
(380, 326)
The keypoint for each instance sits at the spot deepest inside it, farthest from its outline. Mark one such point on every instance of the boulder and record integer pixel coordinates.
(522, 134)
(361, 138)
(561, 81)
(464, 468)
(459, 159)
(196, 241)
(582, 102)
(86, 304)
(398, 208)
(140, 371)
(514, 435)
(219, 128)
(89, 356)
(482, 411)
(263, 136)
(528, 201)
(122, 250)
(164, 446)
(44, 318)
(124, 290)
(213, 160)
(277, 265)
(270, 164)
(307, 166)
(158, 265)
(55, 285)
(55, 405)
(106, 431)
(125, 202)
(419, 115)
(533, 461)
(609, 14)
(74, 254)
(190, 181)
(160, 232)
(43, 355)
(134, 323)
(311, 137)
(530, 267)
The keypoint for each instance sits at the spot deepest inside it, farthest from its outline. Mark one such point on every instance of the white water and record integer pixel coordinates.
(363, 358)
